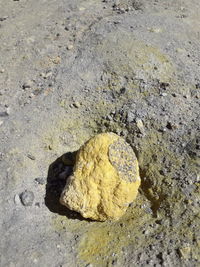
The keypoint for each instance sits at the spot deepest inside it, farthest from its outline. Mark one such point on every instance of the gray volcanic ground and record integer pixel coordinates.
(70, 69)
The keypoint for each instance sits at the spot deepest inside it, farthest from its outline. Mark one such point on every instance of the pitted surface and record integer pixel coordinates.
(123, 158)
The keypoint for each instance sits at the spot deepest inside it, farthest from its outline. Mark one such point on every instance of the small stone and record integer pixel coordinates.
(81, 8)
(70, 47)
(146, 232)
(50, 147)
(185, 252)
(198, 178)
(180, 50)
(37, 204)
(171, 126)
(48, 74)
(27, 84)
(30, 156)
(3, 18)
(56, 60)
(42, 74)
(122, 90)
(156, 30)
(4, 113)
(2, 70)
(174, 94)
(105, 179)
(164, 85)
(140, 126)
(130, 116)
(163, 94)
(162, 129)
(109, 118)
(17, 199)
(32, 95)
(27, 198)
(124, 132)
(66, 28)
(40, 180)
(1, 122)
(77, 104)
(186, 96)
(8, 110)
(197, 86)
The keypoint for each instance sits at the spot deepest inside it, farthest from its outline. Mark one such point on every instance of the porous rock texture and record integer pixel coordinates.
(105, 179)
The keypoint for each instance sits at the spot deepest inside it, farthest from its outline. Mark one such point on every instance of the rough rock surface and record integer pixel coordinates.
(134, 68)
(105, 180)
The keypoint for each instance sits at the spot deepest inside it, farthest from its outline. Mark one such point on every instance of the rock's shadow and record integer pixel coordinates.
(58, 173)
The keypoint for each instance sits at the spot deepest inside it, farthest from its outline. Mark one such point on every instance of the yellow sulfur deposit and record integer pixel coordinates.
(105, 179)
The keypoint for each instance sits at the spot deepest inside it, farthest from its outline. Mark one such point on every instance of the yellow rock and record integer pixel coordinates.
(185, 252)
(105, 179)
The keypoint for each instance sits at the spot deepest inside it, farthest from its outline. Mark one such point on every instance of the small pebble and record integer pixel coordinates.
(174, 94)
(70, 47)
(42, 74)
(140, 125)
(37, 204)
(17, 199)
(171, 126)
(66, 28)
(30, 156)
(27, 84)
(156, 30)
(40, 180)
(163, 94)
(109, 118)
(145, 232)
(130, 116)
(27, 198)
(162, 129)
(31, 95)
(48, 74)
(77, 105)
(185, 252)
(56, 60)
(2, 70)
(180, 50)
(8, 109)
(3, 18)
(1, 122)
(4, 114)
(81, 8)
(186, 96)
(197, 86)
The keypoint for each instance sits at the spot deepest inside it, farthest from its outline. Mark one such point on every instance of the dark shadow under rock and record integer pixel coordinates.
(58, 173)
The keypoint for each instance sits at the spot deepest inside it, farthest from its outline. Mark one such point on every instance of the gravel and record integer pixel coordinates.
(27, 198)
(121, 60)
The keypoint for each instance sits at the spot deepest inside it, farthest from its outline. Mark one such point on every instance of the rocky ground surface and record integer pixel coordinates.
(70, 69)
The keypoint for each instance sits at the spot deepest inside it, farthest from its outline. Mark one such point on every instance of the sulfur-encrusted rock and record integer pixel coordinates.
(105, 179)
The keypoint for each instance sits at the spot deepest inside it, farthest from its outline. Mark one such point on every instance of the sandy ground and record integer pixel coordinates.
(70, 69)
